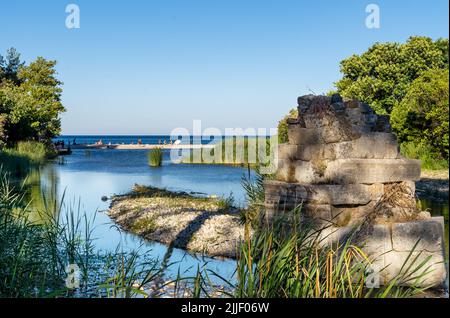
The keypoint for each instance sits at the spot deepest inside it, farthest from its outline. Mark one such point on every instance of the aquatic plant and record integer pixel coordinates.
(24, 156)
(255, 195)
(35, 255)
(155, 157)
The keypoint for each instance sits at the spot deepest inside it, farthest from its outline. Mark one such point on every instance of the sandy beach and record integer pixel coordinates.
(142, 147)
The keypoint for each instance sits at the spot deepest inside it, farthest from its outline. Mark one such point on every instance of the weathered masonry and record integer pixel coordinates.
(342, 165)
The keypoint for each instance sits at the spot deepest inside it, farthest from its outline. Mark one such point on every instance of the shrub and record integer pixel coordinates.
(422, 116)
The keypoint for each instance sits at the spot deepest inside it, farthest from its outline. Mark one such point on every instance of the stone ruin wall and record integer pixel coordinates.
(342, 164)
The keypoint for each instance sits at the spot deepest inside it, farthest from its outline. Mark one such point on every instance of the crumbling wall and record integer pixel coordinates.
(342, 165)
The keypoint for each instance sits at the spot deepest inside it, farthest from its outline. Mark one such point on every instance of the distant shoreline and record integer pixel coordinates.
(141, 147)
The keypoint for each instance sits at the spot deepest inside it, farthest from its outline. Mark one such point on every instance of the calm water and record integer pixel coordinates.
(133, 139)
(86, 176)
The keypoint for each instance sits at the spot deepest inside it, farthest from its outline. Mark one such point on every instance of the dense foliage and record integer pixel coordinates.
(30, 100)
(422, 115)
(409, 82)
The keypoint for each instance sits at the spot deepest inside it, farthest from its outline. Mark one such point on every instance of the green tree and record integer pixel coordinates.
(9, 67)
(381, 76)
(30, 100)
(422, 117)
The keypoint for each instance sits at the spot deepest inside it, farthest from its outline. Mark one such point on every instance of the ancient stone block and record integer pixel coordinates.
(370, 171)
(285, 171)
(287, 151)
(303, 136)
(346, 215)
(351, 103)
(427, 234)
(404, 265)
(334, 194)
(317, 211)
(368, 146)
(390, 263)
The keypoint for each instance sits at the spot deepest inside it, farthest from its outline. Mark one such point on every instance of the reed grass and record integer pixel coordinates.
(26, 155)
(155, 157)
(34, 255)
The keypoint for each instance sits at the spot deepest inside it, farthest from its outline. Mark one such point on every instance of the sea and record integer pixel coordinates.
(133, 139)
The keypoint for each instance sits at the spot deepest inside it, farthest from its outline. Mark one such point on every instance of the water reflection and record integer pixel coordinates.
(84, 177)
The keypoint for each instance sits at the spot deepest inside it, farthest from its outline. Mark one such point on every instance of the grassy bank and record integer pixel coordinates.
(24, 155)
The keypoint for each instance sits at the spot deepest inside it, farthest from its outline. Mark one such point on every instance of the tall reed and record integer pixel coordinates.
(35, 255)
(155, 157)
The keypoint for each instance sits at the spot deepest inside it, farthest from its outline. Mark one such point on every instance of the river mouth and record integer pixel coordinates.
(88, 176)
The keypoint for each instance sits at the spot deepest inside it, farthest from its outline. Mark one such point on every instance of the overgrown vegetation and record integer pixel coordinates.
(290, 261)
(410, 82)
(155, 157)
(24, 156)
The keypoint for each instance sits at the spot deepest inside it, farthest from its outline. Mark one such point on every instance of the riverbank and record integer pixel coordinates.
(433, 185)
(198, 224)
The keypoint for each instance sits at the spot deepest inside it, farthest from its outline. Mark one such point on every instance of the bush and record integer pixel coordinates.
(155, 157)
(422, 116)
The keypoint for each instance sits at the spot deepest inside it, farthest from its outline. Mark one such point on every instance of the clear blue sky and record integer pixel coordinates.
(145, 67)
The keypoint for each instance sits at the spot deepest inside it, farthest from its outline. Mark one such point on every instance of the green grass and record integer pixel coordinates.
(25, 155)
(429, 159)
(155, 157)
(146, 224)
